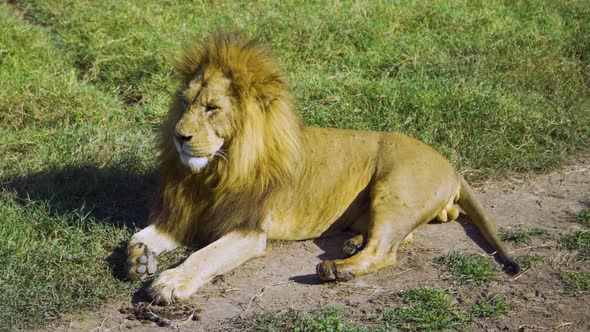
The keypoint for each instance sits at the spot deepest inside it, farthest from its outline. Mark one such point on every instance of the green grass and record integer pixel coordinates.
(432, 310)
(528, 260)
(422, 309)
(578, 241)
(466, 267)
(427, 310)
(327, 319)
(70, 178)
(489, 307)
(39, 85)
(497, 87)
(576, 282)
(520, 236)
(583, 217)
(51, 263)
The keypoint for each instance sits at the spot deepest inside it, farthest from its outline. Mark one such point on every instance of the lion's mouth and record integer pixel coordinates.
(194, 162)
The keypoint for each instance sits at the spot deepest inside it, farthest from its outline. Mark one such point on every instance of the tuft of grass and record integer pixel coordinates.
(427, 310)
(520, 236)
(466, 267)
(327, 319)
(489, 307)
(528, 260)
(578, 241)
(576, 282)
(583, 217)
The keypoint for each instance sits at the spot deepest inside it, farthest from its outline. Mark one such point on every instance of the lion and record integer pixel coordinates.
(238, 168)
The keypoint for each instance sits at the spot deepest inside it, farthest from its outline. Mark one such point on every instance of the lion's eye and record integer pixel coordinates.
(211, 108)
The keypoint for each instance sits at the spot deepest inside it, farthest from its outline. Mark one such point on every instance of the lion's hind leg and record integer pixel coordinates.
(353, 245)
(384, 237)
(370, 259)
(356, 243)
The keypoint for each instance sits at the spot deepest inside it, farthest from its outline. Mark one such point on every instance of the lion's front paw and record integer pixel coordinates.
(170, 287)
(329, 271)
(141, 261)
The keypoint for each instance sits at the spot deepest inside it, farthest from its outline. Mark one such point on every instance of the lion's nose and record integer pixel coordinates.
(183, 138)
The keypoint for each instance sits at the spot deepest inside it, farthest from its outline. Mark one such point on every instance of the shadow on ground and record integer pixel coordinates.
(473, 232)
(331, 246)
(110, 195)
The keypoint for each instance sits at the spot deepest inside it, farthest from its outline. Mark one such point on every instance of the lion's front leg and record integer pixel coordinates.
(219, 257)
(142, 250)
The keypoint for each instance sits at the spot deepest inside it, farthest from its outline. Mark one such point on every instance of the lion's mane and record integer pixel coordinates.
(261, 156)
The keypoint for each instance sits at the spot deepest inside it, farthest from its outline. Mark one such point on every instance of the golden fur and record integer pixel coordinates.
(264, 144)
(237, 167)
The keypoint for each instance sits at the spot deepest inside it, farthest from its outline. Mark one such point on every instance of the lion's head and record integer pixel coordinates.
(232, 128)
(233, 110)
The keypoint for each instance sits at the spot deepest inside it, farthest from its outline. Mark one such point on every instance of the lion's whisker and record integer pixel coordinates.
(222, 154)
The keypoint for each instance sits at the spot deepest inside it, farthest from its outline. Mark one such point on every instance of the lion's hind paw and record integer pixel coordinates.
(328, 271)
(351, 247)
(141, 262)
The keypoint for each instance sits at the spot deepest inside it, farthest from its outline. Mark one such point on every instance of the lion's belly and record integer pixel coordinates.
(321, 218)
(338, 166)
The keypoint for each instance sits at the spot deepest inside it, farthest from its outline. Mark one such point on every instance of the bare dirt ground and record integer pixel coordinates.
(285, 278)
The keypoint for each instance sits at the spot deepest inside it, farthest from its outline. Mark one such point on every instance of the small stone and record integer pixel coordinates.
(528, 295)
(142, 260)
(141, 269)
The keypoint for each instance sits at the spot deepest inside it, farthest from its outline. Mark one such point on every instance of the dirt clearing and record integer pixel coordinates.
(538, 299)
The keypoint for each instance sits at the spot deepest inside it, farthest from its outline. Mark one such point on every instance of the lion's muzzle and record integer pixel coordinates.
(194, 160)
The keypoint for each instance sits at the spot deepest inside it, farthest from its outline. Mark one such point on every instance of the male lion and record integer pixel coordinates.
(237, 168)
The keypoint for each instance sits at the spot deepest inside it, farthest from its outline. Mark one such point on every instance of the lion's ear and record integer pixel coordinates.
(268, 92)
(265, 102)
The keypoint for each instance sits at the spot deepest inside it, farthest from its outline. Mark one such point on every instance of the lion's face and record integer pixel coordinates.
(204, 123)
(232, 119)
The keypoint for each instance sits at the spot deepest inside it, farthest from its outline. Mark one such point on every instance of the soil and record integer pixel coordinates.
(285, 279)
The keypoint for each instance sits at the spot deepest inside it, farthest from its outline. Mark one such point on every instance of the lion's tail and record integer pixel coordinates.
(468, 201)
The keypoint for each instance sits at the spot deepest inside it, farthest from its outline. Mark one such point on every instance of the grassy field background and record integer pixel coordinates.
(497, 86)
